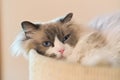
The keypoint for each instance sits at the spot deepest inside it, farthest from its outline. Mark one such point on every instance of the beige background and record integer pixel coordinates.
(15, 11)
(0, 40)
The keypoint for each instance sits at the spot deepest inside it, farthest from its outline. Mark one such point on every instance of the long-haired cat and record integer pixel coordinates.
(64, 39)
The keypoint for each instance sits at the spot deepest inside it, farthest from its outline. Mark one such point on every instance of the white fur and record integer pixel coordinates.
(105, 21)
(58, 45)
(17, 45)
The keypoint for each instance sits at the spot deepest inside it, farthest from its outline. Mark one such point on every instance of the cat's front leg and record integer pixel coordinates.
(78, 51)
(91, 41)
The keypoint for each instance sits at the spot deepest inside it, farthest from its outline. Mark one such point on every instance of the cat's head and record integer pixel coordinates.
(55, 38)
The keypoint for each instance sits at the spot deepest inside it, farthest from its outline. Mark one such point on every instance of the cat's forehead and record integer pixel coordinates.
(50, 25)
(54, 28)
(51, 30)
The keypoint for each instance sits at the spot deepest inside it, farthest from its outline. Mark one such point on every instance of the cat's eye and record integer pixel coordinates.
(47, 44)
(66, 37)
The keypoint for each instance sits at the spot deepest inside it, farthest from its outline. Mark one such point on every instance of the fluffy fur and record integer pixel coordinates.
(85, 45)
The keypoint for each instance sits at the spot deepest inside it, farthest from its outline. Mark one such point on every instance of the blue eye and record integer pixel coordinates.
(66, 37)
(47, 44)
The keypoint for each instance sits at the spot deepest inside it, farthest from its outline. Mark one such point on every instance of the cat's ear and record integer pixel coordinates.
(29, 27)
(67, 18)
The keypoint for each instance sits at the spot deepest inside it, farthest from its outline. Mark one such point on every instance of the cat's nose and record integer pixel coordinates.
(61, 51)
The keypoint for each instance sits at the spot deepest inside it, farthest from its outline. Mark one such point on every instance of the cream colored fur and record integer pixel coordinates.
(109, 54)
(91, 54)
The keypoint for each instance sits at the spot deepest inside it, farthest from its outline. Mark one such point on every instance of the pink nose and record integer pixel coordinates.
(61, 51)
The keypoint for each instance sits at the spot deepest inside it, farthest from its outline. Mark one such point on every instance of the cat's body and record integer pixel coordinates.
(63, 39)
(95, 49)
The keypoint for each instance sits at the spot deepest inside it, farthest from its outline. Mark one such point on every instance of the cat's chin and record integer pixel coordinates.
(67, 53)
(61, 56)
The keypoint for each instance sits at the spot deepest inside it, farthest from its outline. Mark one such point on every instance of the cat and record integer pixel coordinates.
(64, 39)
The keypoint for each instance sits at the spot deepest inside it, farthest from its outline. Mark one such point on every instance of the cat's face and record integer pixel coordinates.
(55, 39)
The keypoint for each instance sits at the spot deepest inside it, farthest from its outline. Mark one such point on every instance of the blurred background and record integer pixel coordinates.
(13, 12)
